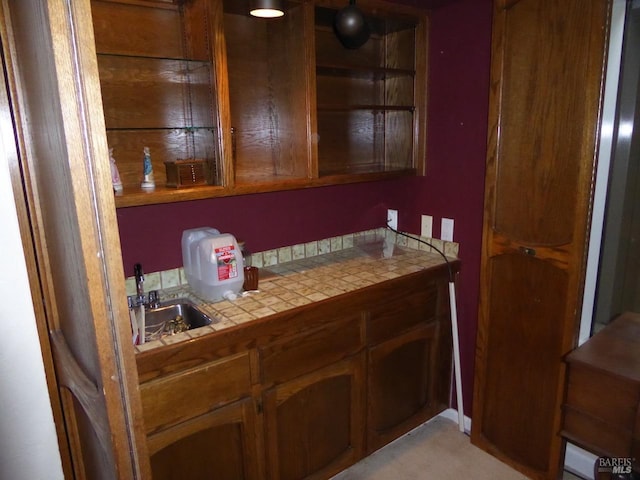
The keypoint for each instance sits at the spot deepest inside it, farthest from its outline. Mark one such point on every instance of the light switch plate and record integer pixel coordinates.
(426, 226)
(446, 230)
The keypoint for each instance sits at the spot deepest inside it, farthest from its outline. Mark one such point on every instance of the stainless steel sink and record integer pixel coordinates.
(172, 317)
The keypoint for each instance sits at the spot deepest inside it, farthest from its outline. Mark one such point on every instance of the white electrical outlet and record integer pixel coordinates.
(426, 226)
(392, 219)
(446, 230)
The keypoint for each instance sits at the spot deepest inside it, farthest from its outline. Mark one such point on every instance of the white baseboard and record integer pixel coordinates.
(579, 461)
(452, 414)
(576, 460)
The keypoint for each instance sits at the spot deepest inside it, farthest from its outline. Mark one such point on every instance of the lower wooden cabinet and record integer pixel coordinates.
(400, 387)
(220, 444)
(303, 394)
(314, 424)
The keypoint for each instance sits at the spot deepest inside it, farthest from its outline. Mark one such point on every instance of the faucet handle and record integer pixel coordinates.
(137, 271)
(154, 300)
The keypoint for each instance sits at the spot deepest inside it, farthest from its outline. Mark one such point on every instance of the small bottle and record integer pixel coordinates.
(147, 170)
(250, 272)
(115, 174)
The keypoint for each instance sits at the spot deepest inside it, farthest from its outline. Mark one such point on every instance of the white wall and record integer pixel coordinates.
(28, 443)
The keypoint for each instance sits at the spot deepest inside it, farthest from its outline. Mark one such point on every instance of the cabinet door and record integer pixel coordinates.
(220, 444)
(401, 385)
(177, 116)
(314, 424)
(545, 100)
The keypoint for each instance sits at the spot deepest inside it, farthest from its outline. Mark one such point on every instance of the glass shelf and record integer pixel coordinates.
(133, 57)
(373, 108)
(371, 73)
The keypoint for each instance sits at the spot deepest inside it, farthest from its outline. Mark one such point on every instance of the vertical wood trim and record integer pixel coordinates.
(222, 91)
(14, 144)
(421, 96)
(312, 103)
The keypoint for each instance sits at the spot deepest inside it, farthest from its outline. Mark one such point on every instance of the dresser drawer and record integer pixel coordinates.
(298, 354)
(596, 435)
(603, 396)
(175, 398)
(399, 315)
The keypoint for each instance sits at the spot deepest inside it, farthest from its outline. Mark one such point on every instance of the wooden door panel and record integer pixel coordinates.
(401, 384)
(523, 352)
(314, 425)
(220, 444)
(541, 166)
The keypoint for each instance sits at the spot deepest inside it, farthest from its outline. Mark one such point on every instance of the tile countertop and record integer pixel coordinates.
(289, 285)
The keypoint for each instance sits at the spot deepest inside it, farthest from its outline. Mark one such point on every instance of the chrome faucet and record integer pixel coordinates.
(152, 301)
(137, 272)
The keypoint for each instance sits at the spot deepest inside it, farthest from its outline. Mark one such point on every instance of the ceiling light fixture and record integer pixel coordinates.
(267, 8)
(351, 27)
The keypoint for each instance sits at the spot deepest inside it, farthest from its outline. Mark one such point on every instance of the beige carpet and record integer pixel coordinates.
(435, 450)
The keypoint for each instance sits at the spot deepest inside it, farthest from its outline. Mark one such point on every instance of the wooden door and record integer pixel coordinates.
(545, 97)
(314, 424)
(401, 385)
(51, 67)
(220, 444)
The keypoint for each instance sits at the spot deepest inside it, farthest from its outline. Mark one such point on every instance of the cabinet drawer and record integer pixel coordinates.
(399, 315)
(610, 399)
(174, 398)
(595, 435)
(299, 354)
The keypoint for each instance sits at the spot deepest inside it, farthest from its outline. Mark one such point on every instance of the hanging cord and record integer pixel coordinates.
(420, 240)
(454, 326)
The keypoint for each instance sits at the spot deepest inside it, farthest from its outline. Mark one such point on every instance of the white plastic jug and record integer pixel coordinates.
(213, 263)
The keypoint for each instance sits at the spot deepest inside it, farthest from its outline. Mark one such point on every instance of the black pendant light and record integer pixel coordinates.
(267, 8)
(351, 27)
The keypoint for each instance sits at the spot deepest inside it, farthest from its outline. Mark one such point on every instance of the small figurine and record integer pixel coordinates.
(147, 182)
(115, 174)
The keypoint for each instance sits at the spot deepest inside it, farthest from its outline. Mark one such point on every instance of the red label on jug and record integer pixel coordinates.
(227, 262)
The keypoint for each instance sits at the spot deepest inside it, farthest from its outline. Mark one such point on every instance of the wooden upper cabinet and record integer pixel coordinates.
(156, 68)
(370, 100)
(268, 95)
(255, 104)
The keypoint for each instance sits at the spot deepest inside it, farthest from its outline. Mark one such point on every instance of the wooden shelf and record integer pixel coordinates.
(375, 108)
(375, 73)
(159, 57)
(136, 196)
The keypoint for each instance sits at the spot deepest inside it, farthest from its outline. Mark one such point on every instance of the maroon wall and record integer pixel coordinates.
(459, 64)
(151, 234)
(458, 95)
